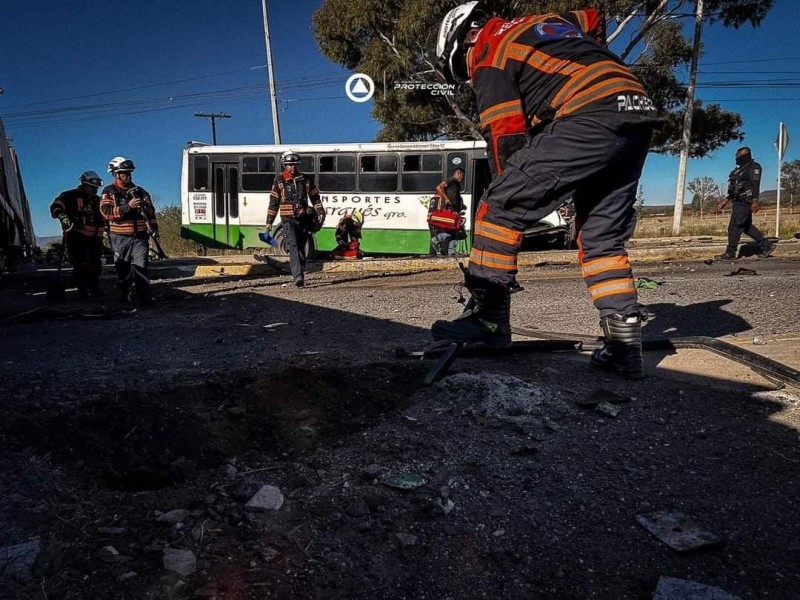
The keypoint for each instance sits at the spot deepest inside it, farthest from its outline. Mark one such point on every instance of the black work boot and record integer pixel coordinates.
(486, 317)
(767, 248)
(622, 347)
(726, 256)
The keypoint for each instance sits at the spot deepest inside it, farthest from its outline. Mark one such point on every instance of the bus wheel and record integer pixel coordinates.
(282, 250)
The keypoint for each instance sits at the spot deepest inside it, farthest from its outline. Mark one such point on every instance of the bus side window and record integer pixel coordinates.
(258, 173)
(378, 173)
(337, 173)
(199, 173)
(422, 172)
(307, 165)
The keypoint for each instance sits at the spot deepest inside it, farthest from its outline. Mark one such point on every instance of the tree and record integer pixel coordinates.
(790, 181)
(640, 203)
(394, 40)
(704, 191)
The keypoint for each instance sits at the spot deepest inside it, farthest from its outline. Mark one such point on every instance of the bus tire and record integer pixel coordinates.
(282, 250)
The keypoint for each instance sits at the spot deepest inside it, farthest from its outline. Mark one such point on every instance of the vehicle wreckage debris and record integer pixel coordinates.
(677, 530)
(672, 588)
(741, 271)
(777, 372)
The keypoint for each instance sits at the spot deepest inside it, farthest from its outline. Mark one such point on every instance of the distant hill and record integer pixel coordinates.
(43, 241)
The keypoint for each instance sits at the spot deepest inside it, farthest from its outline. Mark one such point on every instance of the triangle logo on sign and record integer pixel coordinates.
(360, 87)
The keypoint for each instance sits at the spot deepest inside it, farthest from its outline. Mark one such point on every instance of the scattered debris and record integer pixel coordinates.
(602, 395)
(672, 588)
(404, 482)
(741, 271)
(267, 498)
(273, 326)
(645, 283)
(759, 341)
(19, 559)
(677, 531)
(182, 562)
(607, 409)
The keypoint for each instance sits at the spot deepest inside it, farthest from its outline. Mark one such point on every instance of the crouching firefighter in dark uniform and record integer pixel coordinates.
(296, 198)
(131, 216)
(78, 211)
(562, 116)
(744, 185)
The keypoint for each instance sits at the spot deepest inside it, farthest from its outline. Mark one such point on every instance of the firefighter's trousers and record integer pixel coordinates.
(596, 164)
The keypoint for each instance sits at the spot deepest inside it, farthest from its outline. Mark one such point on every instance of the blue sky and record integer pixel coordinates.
(94, 80)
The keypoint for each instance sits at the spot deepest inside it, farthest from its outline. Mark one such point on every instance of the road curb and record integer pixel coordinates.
(242, 266)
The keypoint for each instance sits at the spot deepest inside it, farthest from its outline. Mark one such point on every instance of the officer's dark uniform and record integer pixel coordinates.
(744, 184)
(297, 201)
(562, 116)
(80, 212)
(130, 238)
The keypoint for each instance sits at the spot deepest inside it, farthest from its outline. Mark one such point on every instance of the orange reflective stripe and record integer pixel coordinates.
(493, 260)
(498, 233)
(606, 263)
(500, 111)
(545, 63)
(502, 53)
(585, 75)
(598, 92)
(612, 288)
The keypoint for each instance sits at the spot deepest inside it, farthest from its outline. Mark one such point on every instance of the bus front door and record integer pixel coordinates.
(226, 205)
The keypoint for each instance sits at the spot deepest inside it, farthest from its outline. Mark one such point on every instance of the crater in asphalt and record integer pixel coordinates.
(135, 441)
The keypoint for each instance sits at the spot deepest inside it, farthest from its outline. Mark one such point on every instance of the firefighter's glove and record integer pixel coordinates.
(65, 222)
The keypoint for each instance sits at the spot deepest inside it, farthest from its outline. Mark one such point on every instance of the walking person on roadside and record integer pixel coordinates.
(744, 184)
(444, 235)
(131, 215)
(562, 116)
(295, 198)
(78, 211)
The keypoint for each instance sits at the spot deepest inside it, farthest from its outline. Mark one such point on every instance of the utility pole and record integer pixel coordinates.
(687, 120)
(273, 94)
(213, 117)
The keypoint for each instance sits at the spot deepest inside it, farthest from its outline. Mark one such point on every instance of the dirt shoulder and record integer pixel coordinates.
(246, 439)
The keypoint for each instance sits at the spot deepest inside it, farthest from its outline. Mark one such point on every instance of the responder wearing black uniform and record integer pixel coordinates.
(744, 184)
(296, 198)
(562, 116)
(78, 210)
(447, 196)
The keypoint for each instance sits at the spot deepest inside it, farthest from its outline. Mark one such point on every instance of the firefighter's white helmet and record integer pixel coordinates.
(120, 164)
(451, 59)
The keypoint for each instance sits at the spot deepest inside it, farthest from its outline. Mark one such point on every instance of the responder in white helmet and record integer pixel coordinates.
(131, 215)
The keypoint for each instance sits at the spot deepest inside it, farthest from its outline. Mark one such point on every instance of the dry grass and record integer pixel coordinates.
(714, 224)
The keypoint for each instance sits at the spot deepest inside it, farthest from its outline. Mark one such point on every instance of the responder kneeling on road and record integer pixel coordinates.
(744, 184)
(296, 198)
(348, 236)
(78, 210)
(583, 131)
(132, 217)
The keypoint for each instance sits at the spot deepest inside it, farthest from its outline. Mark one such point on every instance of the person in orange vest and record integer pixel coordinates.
(295, 197)
(562, 116)
(131, 215)
(78, 211)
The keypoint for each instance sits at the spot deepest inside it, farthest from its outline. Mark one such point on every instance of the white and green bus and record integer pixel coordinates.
(225, 191)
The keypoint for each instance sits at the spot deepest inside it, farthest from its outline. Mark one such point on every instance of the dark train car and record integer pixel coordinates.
(17, 238)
